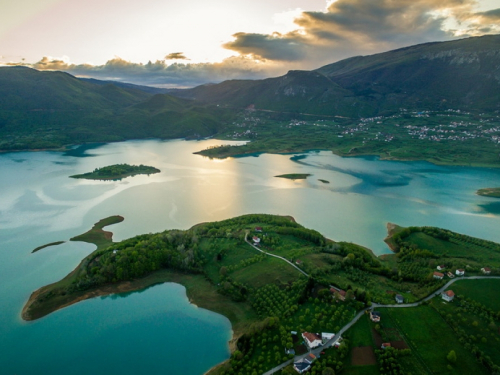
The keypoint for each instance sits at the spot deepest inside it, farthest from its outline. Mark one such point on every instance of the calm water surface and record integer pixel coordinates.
(154, 331)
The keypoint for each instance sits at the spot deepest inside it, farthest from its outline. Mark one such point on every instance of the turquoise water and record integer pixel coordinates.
(155, 331)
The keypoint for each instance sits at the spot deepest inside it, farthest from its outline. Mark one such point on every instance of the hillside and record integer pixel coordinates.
(52, 109)
(420, 77)
(327, 285)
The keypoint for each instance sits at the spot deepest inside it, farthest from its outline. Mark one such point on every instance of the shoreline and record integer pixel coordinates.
(66, 148)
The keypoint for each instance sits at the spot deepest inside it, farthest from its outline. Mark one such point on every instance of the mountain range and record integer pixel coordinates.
(42, 109)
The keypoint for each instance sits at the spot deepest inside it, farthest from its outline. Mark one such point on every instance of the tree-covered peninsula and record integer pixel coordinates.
(277, 281)
(489, 192)
(117, 172)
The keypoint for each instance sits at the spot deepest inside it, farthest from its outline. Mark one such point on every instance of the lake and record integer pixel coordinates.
(157, 330)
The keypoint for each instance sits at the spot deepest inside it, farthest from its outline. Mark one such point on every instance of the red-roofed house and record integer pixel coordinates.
(312, 340)
(440, 268)
(386, 345)
(256, 240)
(438, 275)
(448, 295)
(258, 229)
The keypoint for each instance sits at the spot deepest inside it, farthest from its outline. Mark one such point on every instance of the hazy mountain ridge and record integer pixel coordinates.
(51, 109)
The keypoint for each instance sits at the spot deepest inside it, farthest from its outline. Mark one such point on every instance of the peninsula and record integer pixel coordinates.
(117, 172)
(280, 284)
(489, 192)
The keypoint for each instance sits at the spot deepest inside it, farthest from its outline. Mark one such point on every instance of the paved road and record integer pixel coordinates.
(274, 255)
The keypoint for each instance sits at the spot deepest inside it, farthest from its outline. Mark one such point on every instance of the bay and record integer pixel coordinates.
(143, 332)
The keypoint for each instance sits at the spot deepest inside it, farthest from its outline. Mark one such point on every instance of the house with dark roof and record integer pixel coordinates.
(399, 298)
(304, 364)
(301, 366)
(440, 268)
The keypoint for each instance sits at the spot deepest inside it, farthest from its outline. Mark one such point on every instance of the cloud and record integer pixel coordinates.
(350, 27)
(162, 74)
(176, 56)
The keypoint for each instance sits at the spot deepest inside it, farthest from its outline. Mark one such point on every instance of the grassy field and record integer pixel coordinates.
(97, 235)
(484, 291)
(432, 339)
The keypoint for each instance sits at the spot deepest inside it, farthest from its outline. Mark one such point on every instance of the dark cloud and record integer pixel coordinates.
(176, 56)
(350, 27)
(493, 15)
(272, 47)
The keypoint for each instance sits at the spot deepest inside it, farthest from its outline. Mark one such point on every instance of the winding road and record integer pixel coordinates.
(332, 341)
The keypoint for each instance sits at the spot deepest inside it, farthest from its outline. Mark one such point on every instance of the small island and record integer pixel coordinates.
(47, 245)
(489, 192)
(294, 176)
(323, 181)
(117, 172)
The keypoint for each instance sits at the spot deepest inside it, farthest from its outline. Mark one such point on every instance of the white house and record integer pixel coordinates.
(438, 275)
(256, 240)
(448, 295)
(460, 272)
(325, 337)
(375, 316)
(301, 366)
(312, 340)
(440, 268)
(486, 270)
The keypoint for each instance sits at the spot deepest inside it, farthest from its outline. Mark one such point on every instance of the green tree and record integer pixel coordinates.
(328, 371)
(452, 356)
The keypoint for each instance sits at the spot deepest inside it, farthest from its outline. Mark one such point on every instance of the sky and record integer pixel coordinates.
(169, 43)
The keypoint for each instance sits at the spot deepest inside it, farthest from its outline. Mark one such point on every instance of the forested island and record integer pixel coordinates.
(489, 192)
(253, 268)
(294, 176)
(117, 172)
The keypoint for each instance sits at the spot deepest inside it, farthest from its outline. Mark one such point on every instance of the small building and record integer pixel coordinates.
(440, 268)
(298, 262)
(338, 294)
(438, 275)
(301, 366)
(375, 316)
(313, 340)
(450, 275)
(460, 272)
(448, 295)
(399, 298)
(386, 345)
(310, 358)
(258, 229)
(256, 240)
(486, 270)
(338, 342)
(325, 337)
